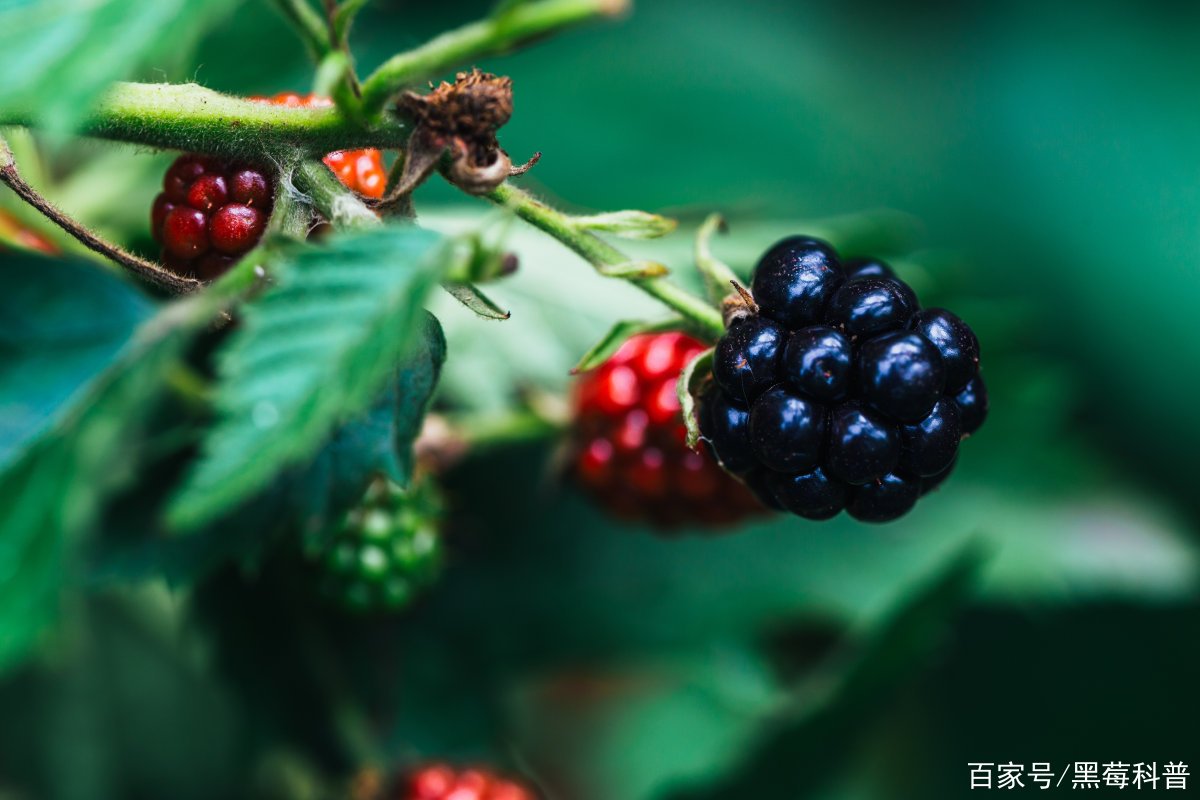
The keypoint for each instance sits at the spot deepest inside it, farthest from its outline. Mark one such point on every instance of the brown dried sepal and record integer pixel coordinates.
(459, 120)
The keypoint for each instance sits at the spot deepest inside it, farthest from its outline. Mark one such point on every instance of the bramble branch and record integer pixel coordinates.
(193, 119)
(608, 260)
(510, 27)
(147, 270)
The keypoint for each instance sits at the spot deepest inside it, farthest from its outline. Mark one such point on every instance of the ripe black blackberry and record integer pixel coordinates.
(840, 392)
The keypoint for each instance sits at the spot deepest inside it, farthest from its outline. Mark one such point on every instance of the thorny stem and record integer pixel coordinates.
(491, 36)
(147, 270)
(705, 319)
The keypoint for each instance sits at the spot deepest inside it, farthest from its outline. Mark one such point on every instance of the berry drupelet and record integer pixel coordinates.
(840, 392)
(629, 450)
(212, 211)
(385, 551)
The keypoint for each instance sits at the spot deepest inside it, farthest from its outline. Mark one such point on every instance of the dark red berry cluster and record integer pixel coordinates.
(840, 392)
(440, 782)
(209, 213)
(629, 441)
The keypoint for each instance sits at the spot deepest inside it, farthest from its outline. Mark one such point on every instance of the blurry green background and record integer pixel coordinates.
(1051, 153)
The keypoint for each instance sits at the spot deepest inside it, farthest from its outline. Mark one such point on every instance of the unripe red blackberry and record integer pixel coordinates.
(209, 213)
(440, 782)
(629, 446)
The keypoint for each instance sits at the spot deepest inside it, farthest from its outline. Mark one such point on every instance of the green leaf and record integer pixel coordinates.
(471, 297)
(134, 544)
(617, 335)
(58, 56)
(52, 495)
(63, 322)
(312, 352)
(687, 389)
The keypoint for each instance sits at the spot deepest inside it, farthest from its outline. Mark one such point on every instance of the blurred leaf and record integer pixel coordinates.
(58, 56)
(312, 351)
(51, 496)
(617, 335)
(135, 544)
(63, 322)
(478, 302)
(801, 751)
(627, 224)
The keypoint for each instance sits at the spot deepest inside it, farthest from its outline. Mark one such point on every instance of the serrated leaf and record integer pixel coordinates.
(52, 494)
(63, 322)
(58, 56)
(686, 390)
(617, 335)
(312, 352)
(475, 300)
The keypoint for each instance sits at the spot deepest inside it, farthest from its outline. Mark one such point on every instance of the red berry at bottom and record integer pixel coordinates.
(628, 441)
(440, 782)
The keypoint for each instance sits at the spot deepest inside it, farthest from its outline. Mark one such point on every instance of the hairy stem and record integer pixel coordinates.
(496, 34)
(146, 270)
(197, 120)
(702, 317)
(342, 207)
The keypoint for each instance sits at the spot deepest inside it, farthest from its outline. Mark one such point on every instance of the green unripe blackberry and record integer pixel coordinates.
(385, 551)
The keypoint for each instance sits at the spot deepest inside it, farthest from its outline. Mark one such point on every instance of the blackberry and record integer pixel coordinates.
(862, 445)
(209, 213)
(868, 306)
(955, 343)
(794, 280)
(817, 363)
(442, 782)
(972, 401)
(839, 392)
(786, 431)
(885, 499)
(746, 360)
(901, 374)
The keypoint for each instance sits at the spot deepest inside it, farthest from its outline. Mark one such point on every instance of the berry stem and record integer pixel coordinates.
(193, 119)
(147, 270)
(342, 207)
(703, 319)
(309, 26)
(717, 274)
(511, 26)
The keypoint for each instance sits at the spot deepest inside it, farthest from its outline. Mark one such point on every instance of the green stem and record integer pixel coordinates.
(703, 318)
(313, 30)
(342, 207)
(197, 120)
(487, 37)
(147, 270)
